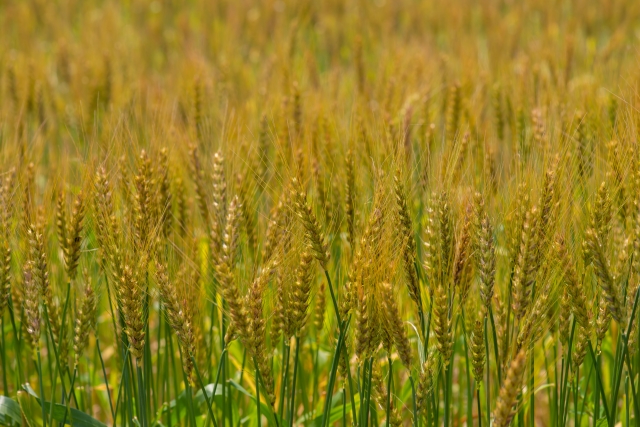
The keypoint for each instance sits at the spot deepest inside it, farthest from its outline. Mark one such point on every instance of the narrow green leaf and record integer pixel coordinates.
(266, 411)
(335, 414)
(9, 412)
(75, 418)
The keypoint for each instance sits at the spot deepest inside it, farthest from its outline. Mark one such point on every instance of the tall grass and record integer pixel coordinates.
(331, 213)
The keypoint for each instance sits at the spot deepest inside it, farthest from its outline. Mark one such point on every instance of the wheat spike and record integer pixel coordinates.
(131, 299)
(408, 243)
(478, 351)
(313, 234)
(394, 325)
(594, 246)
(178, 318)
(511, 388)
(442, 324)
(484, 250)
(85, 321)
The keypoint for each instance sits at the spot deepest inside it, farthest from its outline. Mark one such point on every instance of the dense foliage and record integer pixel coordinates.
(328, 213)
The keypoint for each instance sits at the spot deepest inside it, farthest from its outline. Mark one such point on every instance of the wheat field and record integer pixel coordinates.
(338, 213)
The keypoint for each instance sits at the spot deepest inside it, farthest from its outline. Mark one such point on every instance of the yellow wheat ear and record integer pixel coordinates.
(395, 326)
(71, 248)
(85, 321)
(509, 391)
(595, 243)
(408, 243)
(313, 233)
(32, 306)
(484, 250)
(178, 319)
(131, 296)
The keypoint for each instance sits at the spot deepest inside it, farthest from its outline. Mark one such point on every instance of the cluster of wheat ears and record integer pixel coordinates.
(345, 213)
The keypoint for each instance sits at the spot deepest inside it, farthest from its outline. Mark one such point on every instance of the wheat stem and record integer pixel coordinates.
(292, 408)
(41, 385)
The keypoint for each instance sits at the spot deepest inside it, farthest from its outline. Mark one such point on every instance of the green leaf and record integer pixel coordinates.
(178, 406)
(9, 412)
(267, 411)
(75, 418)
(336, 412)
(31, 416)
(602, 422)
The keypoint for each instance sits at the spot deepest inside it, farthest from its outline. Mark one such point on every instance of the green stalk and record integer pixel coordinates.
(565, 375)
(315, 376)
(636, 407)
(64, 420)
(368, 393)
(113, 313)
(40, 383)
(552, 394)
(596, 394)
(4, 357)
(389, 389)
(520, 411)
(495, 344)
(344, 407)
(57, 372)
(259, 376)
(428, 329)
(257, 392)
(532, 397)
(133, 393)
(146, 355)
(466, 358)
(479, 407)
(159, 367)
(305, 381)
(229, 397)
(142, 415)
(598, 384)
(244, 361)
(342, 326)
(509, 326)
(211, 337)
(106, 381)
(576, 391)
(284, 375)
(626, 398)
(242, 369)
(487, 391)
(436, 399)
(224, 390)
(16, 337)
(223, 331)
(332, 375)
(219, 372)
(123, 380)
(420, 310)
(618, 367)
(171, 361)
(204, 392)
(447, 393)
(363, 395)
(416, 419)
(189, 394)
(292, 407)
(584, 395)
(59, 367)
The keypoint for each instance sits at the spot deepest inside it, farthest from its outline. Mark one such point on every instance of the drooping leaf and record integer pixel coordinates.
(9, 412)
(74, 418)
